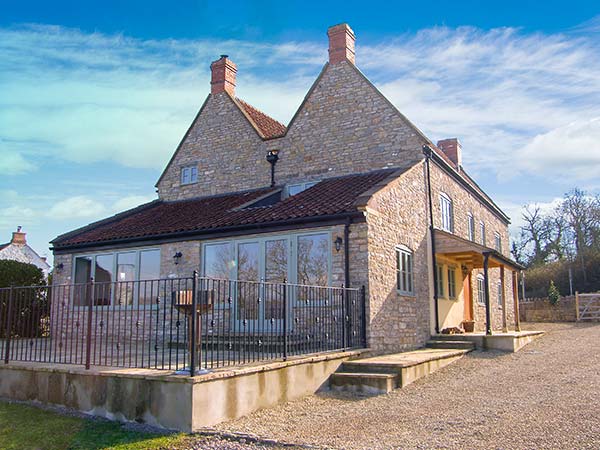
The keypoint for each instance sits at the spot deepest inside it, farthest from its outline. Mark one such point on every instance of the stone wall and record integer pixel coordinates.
(541, 310)
(397, 215)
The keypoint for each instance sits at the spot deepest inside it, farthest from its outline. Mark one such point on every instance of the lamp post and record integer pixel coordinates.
(272, 158)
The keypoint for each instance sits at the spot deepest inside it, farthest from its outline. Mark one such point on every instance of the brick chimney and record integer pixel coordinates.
(341, 43)
(19, 237)
(452, 149)
(223, 76)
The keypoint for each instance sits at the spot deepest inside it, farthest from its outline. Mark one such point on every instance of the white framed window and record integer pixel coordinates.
(471, 227)
(296, 188)
(404, 270)
(480, 289)
(451, 282)
(500, 294)
(482, 232)
(447, 213)
(189, 174)
(497, 241)
(441, 291)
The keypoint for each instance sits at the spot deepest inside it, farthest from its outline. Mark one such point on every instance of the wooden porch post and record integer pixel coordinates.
(503, 287)
(516, 300)
(486, 281)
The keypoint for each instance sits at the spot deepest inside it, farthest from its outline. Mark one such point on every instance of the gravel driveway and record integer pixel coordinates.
(545, 396)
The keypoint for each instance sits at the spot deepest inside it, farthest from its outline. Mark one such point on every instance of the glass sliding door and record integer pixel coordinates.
(248, 269)
(276, 271)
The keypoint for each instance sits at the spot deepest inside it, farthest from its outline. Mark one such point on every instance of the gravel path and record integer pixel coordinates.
(545, 396)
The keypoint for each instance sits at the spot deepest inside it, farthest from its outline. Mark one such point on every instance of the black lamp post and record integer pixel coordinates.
(272, 158)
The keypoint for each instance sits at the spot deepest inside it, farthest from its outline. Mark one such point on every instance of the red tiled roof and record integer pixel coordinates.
(329, 197)
(267, 126)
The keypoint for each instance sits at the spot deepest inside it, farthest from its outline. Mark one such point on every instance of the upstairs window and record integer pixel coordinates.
(471, 225)
(446, 209)
(452, 282)
(480, 290)
(482, 232)
(189, 175)
(498, 242)
(296, 188)
(404, 270)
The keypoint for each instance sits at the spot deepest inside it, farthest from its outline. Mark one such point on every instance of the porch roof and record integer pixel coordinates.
(470, 253)
(330, 198)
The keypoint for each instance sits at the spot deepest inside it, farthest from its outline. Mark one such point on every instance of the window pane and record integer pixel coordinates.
(83, 273)
(193, 174)
(276, 270)
(218, 261)
(125, 276)
(185, 175)
(313, 260)
(294, 189)
(248, 293)
(103, 276)
(149, 270)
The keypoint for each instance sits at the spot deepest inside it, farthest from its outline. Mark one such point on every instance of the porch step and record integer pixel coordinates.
(450, 344)
(381, 374)
(366, 383)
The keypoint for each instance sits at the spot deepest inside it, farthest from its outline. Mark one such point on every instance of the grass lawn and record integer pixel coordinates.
(28, 428)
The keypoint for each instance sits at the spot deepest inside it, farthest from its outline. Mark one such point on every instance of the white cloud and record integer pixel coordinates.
(570, 151)
(79, 206)
(13, 216)
(131, 201)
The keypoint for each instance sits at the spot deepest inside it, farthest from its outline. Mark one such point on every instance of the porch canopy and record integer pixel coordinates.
(477, 256)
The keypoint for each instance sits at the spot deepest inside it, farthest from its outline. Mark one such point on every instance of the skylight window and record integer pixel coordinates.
(296, 188)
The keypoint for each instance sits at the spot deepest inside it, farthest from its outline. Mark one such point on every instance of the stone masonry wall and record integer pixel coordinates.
(397, 215)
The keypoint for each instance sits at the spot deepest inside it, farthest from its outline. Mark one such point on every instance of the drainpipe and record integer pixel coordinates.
(427, 152)
(347, 252)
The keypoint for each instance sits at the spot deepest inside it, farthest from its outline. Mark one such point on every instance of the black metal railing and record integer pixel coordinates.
(152, 324)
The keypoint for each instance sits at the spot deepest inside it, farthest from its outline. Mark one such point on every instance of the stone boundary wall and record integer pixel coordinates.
(541, 310)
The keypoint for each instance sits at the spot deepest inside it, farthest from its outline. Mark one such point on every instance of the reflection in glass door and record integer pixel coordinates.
(248, 270)
(276, 271)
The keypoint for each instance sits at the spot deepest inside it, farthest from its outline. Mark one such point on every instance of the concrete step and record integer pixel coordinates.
(366, 383)
(368, 367)
(462, 345)
(449, 337)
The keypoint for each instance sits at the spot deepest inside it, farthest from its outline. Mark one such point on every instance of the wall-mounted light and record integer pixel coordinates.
(338, 243)
(177, 257)
(59, 267)
(272, 158)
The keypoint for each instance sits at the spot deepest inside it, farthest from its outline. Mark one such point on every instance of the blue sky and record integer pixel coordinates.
(94, 96)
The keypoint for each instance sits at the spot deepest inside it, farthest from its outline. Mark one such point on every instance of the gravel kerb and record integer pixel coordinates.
(544, 396)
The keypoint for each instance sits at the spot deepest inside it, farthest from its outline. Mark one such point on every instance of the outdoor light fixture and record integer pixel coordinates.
(59, 267)
(272, 158)
(176, 257)
(338, 243)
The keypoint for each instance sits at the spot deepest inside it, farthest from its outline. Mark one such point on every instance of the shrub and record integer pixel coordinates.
(553, 294)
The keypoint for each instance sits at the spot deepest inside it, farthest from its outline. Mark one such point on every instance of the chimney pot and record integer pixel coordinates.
(223, 73)
(452, 149)
(18, 237)
(341, 43)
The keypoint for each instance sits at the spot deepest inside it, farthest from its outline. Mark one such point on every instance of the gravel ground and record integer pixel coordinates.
(545, 396)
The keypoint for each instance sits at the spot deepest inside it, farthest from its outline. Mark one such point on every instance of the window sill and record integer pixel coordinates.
(406, 294)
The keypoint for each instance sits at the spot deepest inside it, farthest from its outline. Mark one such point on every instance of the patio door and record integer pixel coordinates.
(260, 305)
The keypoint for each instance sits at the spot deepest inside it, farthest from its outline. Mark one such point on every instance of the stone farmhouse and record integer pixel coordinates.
(349, 193)
(18, 250)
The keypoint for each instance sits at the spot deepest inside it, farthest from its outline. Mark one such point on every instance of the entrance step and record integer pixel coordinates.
(366, 383)
(381, 374)
(454, 344)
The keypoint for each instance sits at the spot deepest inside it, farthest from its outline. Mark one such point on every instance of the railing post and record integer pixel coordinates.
(344, 318)
(194, 313)
(8, 326)
(363, 305)
(88, 338)
(577, 306)
(285, 320)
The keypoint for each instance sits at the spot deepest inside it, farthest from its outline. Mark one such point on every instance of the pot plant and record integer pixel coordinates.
(468, 326)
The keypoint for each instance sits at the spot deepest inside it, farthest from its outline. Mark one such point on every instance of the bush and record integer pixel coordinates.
(30, 306)
(20, 274)
(553, 294)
